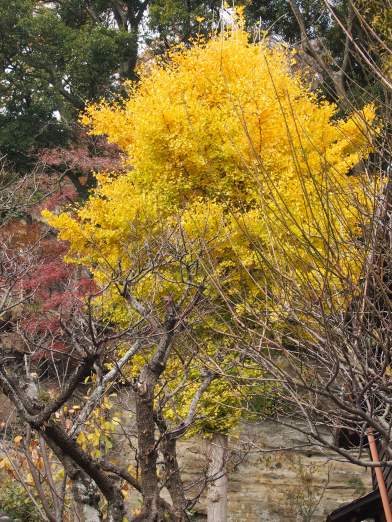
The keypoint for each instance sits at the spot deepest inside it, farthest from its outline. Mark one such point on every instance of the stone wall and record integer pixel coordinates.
(298, 485)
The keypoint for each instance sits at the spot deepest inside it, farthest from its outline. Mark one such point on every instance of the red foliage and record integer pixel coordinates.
(65, 195)
(86, 286)
(48, 273)
(90, 154)
(51, 290)
(18, 234)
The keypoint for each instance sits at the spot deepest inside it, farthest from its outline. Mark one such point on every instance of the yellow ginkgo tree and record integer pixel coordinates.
(231, 158)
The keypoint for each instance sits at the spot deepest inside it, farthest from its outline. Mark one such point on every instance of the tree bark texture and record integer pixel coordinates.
(173, 481)
(147, 450)
(217, 449)
(86, 499)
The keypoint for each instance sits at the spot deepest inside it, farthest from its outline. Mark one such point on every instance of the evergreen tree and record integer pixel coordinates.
(53, 58)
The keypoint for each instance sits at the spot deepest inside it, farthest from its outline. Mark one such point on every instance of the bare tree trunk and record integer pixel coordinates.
(147, 450)
(217, 475)
(145, 421)
(85, 492)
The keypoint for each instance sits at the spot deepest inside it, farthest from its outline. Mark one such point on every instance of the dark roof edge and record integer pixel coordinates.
(355, 505)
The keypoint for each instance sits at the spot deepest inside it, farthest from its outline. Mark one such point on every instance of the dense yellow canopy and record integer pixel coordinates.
(229, 150)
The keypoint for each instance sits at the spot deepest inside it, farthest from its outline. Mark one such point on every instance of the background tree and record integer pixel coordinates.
(57, 56)
(53, 59)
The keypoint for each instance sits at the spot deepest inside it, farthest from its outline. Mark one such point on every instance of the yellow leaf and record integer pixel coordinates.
(81, 438)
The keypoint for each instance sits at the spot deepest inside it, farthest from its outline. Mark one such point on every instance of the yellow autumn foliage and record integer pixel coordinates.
(231, 155)
(224, 117)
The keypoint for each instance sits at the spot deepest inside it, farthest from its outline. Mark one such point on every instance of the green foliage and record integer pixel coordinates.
(327, 38)
(16, 502)
(52, 61)
(175, 20)
(276, 17)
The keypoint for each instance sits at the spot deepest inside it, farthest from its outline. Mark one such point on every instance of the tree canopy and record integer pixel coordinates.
(219, 142)
(55, 57)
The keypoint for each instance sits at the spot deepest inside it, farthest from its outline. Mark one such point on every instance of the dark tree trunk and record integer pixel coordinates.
(145, 420)
(73, 458)
(147, 450)
(173, 478)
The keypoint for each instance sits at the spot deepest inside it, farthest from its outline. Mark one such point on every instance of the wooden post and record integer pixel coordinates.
(380, 477)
